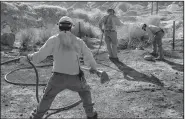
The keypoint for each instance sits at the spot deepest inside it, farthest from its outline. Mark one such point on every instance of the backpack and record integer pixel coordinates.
(108, 24)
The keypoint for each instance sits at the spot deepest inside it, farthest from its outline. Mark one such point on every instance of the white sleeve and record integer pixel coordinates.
(44, 51)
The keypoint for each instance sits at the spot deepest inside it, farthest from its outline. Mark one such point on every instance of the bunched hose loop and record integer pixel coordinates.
(37, 84)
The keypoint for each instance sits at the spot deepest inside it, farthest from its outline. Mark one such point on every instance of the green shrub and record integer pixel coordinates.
(43, 36)
(95, 15)
(131, 13)
(50, 13)
(23, 6)
(27, 38)
(137, 7)
(81, 14)
(9, 6)
(153, 20)
(92, 16)
(124, 6)
(131, 35)
(33, 37)
(123, 43)
(123, 37)
(137, 36)
(86, 29)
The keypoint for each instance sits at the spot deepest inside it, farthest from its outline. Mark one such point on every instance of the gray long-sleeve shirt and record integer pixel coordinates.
(115, 21)
(64, 61)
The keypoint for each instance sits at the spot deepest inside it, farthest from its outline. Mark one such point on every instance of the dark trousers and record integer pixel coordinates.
(59, 82)
(158, 42)
(111, 42)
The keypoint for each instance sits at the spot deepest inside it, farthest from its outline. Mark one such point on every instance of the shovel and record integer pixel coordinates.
(102, 74)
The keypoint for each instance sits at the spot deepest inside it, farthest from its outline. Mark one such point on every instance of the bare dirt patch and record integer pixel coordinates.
(149, 90)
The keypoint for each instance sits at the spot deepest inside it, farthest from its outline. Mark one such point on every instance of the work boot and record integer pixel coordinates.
(154, 54)
(113, 59)
(110, 58)
(140, 48)
(32, 115)
(94, 117)
(159, 58)
(116, 59)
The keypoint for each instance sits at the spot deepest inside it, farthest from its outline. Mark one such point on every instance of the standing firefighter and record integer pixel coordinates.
(65, 48)
(108, 26)
(155, 34)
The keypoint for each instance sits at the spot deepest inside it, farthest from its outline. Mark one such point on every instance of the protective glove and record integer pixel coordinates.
(24, 60)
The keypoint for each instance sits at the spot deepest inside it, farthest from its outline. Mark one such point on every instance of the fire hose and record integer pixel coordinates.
(102, 74)
(37, 84)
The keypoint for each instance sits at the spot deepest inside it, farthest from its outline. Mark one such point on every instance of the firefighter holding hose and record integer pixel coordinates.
(155, 34)
(65, 48)
(108, 26)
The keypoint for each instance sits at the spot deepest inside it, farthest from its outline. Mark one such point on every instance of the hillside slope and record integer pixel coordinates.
(38, 14)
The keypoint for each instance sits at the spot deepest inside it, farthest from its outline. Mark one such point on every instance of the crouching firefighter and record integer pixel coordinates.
(65, 48)
(108, 26)
(155, 34)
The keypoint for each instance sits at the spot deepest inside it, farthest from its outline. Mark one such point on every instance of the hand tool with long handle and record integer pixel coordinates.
(102, 74)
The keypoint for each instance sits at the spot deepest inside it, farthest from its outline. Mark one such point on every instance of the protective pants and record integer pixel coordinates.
(57, 83)
(111, 42)
(158, 42)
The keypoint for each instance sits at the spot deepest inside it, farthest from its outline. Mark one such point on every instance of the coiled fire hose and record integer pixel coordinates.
(37, 84)
(37, 80)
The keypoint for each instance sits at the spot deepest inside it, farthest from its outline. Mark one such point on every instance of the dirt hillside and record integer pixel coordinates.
(138, 88)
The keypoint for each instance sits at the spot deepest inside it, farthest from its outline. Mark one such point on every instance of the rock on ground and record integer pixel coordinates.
(8, 39)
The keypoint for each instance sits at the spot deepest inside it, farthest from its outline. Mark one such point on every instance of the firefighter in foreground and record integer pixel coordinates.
(65, 48)
(108, 26)
(155, 34)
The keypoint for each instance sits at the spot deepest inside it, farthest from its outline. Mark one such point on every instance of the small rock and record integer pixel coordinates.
(178, 101)
(172, 106)
(153, 90)
(8, 39)
(21, 115)
(176, 73)
(6, 104)
(181, 90)
(161, 98)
